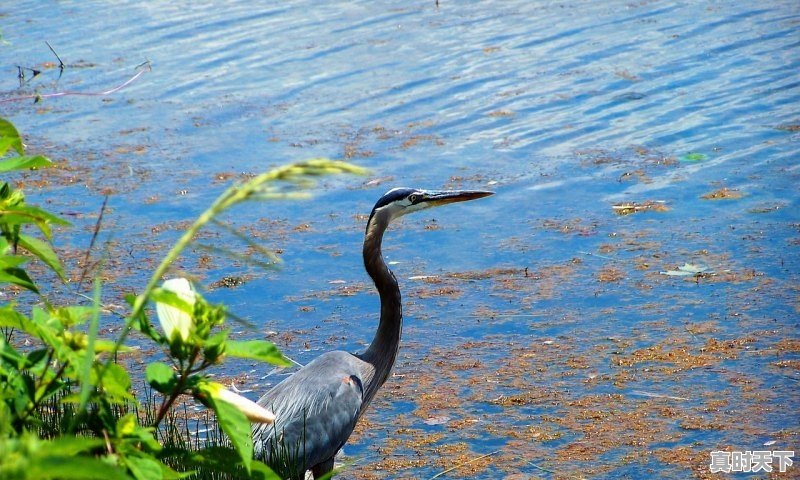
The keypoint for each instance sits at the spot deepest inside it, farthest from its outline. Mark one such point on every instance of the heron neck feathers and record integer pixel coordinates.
(382, 352)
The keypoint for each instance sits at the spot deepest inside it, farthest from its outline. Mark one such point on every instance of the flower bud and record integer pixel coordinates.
(176, 322)
(253, 411)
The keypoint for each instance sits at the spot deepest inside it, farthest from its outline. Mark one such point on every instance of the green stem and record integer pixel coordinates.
(168, 401)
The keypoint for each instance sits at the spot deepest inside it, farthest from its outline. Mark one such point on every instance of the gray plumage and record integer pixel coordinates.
(317, 408)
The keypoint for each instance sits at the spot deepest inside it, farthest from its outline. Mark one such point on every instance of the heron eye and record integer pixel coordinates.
(413, 198)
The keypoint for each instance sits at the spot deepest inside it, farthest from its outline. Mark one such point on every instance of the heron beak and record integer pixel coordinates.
(443, 197)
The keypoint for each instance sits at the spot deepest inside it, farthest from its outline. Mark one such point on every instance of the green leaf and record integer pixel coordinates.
(161, 377)
(260, 350)
(69, 314)
(214, 346)
(116, 382)
(60, 467)
(11, 318)
(144, 468)
(19, 277)
(5, 144)
(218, 459)
(74, 315)
(11, 261)
(11, 356)
(23, 162)
(21, 214)
(43, 251)
(233, 423)
(168, 297)
(170, 474)
(68, 446)
(35, 357)
(10, 134)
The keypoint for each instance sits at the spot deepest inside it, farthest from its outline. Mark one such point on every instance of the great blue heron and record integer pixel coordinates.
(318, 406)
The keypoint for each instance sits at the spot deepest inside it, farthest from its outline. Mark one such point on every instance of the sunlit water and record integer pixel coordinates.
(548, 323)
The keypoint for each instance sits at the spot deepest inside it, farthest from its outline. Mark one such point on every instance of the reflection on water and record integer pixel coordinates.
(548, 310)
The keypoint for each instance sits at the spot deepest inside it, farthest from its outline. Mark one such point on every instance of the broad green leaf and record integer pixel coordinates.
(46, 467)
(218, 459)
(68, 446)
(126, 425)
(35, 356)
(128, 428)
(43, 251)
(22, 214)
(11, 261)
(161, 295)
(261, 471)
(232, 421)
(10, 355)
(214, 346)
(74, 315)
(5, 144)
(170, 474)
(144, 468)
(260, 350)
(11, 318)
(23, 162)
(19, 277)
(9, 132)
(161, 377)
(116, 381)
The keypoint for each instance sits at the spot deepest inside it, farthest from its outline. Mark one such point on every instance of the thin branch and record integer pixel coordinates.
(60, 62)
(91, 243)
(540, 468)
(38, 96)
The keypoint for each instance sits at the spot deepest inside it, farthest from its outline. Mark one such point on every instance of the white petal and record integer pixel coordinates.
(173, 320)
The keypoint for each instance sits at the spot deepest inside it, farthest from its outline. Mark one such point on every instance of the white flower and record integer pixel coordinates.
(173, 320)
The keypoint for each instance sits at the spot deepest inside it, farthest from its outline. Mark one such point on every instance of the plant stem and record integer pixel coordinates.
(168, 401)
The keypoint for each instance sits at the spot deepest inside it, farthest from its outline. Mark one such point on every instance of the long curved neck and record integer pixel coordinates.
(382, 352)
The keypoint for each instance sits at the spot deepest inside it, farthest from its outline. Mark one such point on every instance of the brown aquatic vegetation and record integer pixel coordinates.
(723, 194)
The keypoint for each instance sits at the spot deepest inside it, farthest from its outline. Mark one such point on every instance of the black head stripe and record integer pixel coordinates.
(392, 195)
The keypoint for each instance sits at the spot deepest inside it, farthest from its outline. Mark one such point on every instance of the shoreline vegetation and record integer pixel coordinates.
(68, 407)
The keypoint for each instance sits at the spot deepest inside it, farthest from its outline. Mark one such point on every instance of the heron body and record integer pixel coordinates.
(317, 407)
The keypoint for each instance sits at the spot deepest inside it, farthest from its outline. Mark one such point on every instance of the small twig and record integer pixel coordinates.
(60, 62)
(21, 74)
(540, 468)
(462, 464)
(38, 96)
(109, 448)
(91, 243)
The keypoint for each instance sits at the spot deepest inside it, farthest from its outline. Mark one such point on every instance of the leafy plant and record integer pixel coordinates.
(66, 405)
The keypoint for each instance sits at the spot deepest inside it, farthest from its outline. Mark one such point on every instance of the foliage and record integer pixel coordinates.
(66, 407)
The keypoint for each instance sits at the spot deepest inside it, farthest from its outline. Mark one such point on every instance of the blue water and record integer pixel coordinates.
(563, 109)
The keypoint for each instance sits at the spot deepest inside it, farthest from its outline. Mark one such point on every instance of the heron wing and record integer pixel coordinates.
(315, 409)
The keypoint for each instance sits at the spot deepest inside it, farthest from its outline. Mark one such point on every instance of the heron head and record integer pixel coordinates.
(402, 201)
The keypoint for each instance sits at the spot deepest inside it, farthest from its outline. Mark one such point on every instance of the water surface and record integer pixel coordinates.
(539, 327)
